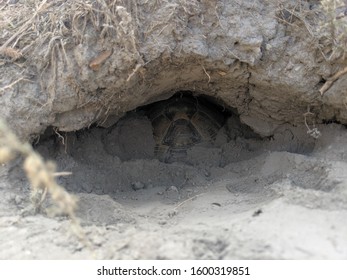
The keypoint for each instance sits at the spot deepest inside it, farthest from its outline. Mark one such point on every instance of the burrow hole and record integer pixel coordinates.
(186, 140)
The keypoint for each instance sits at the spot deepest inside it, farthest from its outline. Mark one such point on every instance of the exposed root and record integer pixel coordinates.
(331, 80)
(137, 68)
(12, 84)
(209, 77)
(313, 132)
(59, 135)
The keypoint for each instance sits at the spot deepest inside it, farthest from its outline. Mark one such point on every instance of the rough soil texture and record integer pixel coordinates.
(279, 198)
(96, 62)
(265, 189)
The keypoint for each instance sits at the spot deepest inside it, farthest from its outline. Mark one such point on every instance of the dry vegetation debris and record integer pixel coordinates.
(42, 176)
(327, 26)
(40, 30)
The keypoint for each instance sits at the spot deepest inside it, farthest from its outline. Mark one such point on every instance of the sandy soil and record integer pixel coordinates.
(245, 197)
(79, 67)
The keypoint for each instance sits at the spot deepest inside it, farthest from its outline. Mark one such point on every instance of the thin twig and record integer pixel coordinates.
(189, 199)
(58, 174)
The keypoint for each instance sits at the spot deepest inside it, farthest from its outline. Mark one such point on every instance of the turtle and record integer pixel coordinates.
(180, 123)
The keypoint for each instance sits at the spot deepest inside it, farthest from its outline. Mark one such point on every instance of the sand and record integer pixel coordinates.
(244, 197)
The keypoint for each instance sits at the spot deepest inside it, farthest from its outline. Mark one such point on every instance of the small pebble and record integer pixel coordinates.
(137, 186)
(172, 213)
(97, 240)
(172, 189)
(172, 193)
(207, 173)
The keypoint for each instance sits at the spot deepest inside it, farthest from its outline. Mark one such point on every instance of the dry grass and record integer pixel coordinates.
(334, 30)
(333, 27)
(42, 35)
(327, 26)
(42, 176)
(40, 27)
(326, 23)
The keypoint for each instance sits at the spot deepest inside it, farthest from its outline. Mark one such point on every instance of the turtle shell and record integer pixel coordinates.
(180, 123)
